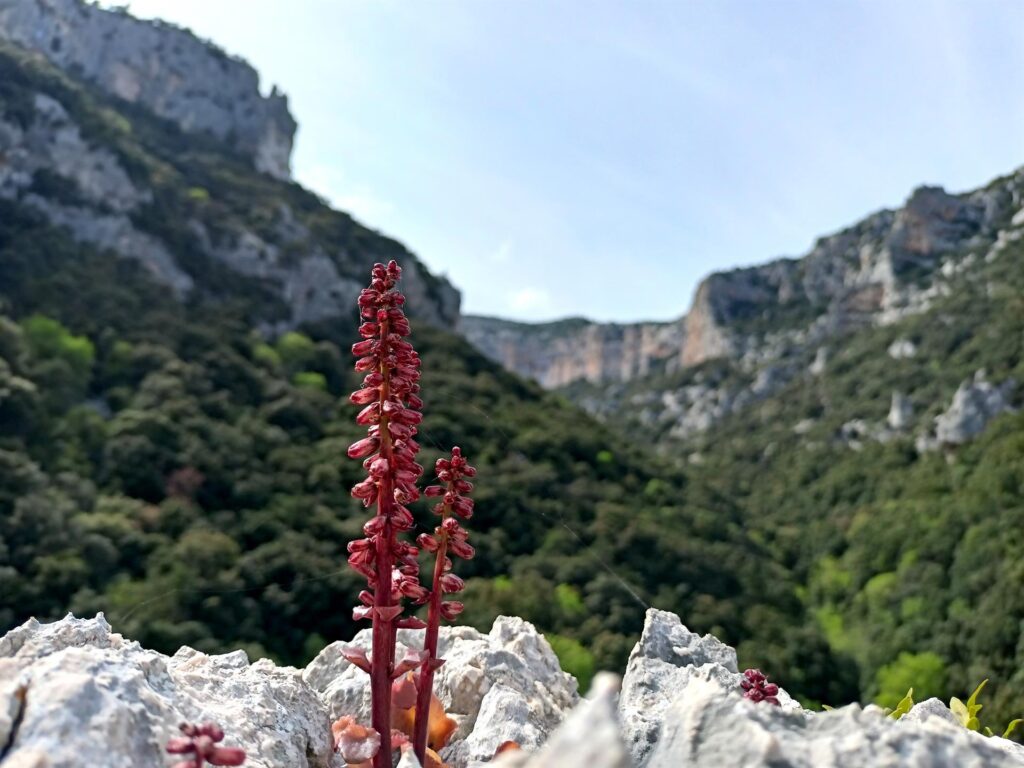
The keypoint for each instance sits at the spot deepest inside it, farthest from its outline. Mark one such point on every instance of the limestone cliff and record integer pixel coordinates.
(161, 67)
(556, 354)
(876, 271)
(185, 205)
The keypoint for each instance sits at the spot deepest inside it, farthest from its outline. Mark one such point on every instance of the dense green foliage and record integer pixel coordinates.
(911, 564)
(170, 467)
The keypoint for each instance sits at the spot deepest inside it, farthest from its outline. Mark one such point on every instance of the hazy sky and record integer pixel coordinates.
(598, 158)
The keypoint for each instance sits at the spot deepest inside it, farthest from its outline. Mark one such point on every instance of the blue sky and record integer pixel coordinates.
(598, 158)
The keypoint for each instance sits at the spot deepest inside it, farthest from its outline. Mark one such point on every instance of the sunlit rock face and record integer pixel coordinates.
(101, 169)
(557, 354)
(164, 68)
(750, 332)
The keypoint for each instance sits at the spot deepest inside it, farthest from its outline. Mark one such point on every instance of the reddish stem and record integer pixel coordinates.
(383, 651)
(425, 686)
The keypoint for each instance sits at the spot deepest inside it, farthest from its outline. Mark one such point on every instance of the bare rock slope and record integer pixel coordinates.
(161, 67)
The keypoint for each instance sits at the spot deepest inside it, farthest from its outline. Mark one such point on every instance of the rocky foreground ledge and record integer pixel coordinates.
(93, 698)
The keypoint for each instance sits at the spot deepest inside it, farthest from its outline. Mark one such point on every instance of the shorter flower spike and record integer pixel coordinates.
(200, 742)
(449, 538)
(757, 688)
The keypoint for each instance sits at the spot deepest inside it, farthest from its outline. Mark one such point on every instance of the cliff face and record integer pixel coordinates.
(556, 354)
(197, 216)
(161, 67)
(874, 272)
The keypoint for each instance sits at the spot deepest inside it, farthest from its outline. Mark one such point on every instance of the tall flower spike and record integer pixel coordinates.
(200, 743)
(390, 401)
(448, 538)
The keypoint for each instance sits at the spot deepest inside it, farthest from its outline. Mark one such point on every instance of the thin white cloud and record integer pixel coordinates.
(530, 300)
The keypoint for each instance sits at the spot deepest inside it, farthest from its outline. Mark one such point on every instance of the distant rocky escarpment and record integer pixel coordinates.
(874, 272)
(557, 354)
(159, 66)
(927, 274)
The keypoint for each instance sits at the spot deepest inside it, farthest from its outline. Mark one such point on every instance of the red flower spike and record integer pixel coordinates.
(389, 402)
(200, 741)
(448, 536)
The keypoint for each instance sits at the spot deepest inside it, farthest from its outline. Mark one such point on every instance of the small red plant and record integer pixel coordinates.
(449, 536)
(757, 688)
(390, 413)
(200, 742)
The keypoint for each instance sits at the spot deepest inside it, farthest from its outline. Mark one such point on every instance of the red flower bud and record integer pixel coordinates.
(364, 447)
(450, 583)
(451, 609)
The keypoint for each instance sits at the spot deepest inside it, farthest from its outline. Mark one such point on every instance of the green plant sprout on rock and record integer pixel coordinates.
(967, 713)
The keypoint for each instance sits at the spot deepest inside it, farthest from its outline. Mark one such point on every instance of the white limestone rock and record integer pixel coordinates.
(505, 685)
(929, 708)
(589, 737)
(902, 349)
(901, 412)
(94, 698)
(667, 659)
(975, 403)
(709, 725)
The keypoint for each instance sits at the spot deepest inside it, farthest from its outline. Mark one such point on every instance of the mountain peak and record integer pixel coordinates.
(164, 68)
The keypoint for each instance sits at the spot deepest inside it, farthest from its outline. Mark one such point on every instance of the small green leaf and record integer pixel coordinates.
(1010, 728)
(904, 706)
(988, 732)
(959, 711)
(827, 708)
(972, 703)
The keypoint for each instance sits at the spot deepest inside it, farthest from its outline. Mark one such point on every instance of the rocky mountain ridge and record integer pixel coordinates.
(751, 332)
(166, 69)
(161, 178)
(882, 268)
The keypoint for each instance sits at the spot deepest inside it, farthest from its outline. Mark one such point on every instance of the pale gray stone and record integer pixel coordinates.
(709, 725)
(94, 698)
(975, 403)
(901, 412)
(902, 349)
(589, 737)
(929, 708)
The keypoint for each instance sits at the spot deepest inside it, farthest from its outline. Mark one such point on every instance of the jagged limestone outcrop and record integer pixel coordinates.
(164, 68)
(75, 693)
